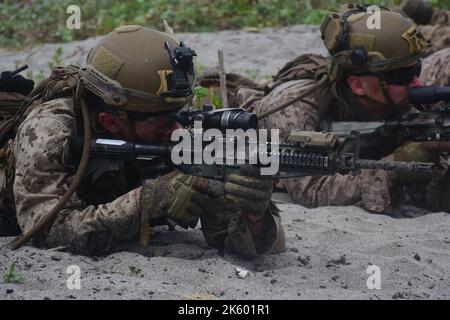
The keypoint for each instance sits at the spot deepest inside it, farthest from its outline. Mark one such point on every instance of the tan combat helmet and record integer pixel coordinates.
(136, 69)
(357, 49)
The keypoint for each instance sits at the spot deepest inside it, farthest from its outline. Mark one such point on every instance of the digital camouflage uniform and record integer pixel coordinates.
(375, 190)
(43, 172)
(436, 66)
(436, 69)
(437, 31)
(372, 189)
(9, 104)
(129, 76)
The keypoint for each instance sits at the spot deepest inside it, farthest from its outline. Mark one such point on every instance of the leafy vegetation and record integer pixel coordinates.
(12, 276)
(32, 21)
(204, 95)
(136, 271)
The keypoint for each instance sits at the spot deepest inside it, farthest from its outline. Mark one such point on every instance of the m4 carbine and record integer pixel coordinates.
(419, 126)
(305, 153)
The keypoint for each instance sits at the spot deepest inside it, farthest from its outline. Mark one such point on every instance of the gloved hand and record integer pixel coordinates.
(16, 83)
(173, 196)
(427, 151)
(243, 197)
(252, 194)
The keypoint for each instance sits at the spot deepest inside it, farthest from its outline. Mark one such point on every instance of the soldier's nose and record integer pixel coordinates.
(416, 82)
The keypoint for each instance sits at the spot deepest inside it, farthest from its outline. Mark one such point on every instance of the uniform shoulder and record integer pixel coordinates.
(293, 88)
(59, 110)
(61, 106)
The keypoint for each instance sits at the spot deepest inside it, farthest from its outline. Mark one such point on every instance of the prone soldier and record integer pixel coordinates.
(14, 89)
(434, 24)
(131, 88)
(366, 78)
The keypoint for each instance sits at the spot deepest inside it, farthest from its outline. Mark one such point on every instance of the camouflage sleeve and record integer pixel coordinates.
(371, 187)
(441, 17)
(437, 32)
(436, 68)
(299, 115)
(438, 37)
(42, 177)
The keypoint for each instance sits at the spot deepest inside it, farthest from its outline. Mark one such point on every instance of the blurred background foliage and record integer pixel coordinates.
(28, 22)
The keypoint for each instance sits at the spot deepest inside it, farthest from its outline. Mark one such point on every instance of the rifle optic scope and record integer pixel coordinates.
(428, 94)
(231, 118)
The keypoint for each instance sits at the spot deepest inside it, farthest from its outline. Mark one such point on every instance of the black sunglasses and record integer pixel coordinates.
(403, 76)
(143, 116)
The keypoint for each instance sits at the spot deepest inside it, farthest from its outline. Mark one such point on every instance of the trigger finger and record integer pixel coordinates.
(250, 182)
(244, 192)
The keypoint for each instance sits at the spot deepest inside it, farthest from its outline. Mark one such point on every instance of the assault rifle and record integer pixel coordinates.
(305, 153)
(420, 126)
(11, 81)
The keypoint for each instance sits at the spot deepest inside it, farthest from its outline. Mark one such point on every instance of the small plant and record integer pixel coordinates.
(201, 93)
(216, 102)
(136, 271)
(56, 59)
(12, 276)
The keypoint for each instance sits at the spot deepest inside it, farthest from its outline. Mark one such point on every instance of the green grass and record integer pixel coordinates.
(29, 22)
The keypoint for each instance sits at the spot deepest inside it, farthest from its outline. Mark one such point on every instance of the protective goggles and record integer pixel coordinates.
(403, 76)
(140, 116)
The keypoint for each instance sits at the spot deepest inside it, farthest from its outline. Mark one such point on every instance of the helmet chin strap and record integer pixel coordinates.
(130, 124)
(132, 128)
(384, 89)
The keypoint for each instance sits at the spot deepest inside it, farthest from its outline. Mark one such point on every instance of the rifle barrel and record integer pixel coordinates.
(19, 70)
(397, 166)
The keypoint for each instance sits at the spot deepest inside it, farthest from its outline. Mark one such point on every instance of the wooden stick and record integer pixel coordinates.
(223, 80)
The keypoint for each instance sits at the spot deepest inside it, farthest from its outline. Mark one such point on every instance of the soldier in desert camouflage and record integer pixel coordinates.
(436, 69)
(126, 89)
(434, 24)
(14, 89)
(365, 78)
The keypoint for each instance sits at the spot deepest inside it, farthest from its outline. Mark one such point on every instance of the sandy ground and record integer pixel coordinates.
(328, 249)
(328, 253)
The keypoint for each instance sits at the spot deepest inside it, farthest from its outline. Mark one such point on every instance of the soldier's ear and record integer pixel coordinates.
(356, 85)
(110, 122)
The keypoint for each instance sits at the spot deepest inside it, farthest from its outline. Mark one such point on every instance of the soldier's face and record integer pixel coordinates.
(369, 86)
(398, 92)
(156, 129)
(152, 129)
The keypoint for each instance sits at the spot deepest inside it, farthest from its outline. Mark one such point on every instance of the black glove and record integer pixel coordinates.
(16, 83)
